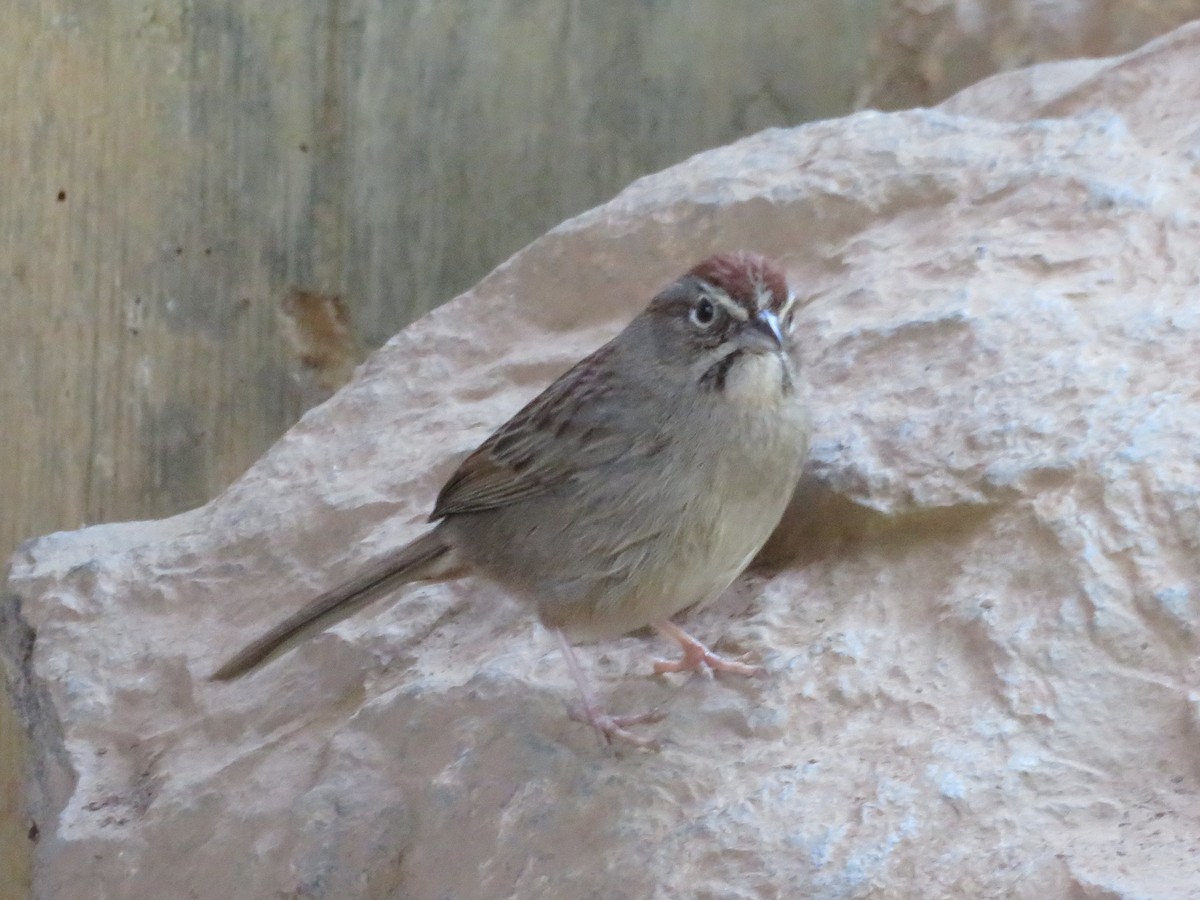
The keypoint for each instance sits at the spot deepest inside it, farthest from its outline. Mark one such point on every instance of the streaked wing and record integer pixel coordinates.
(572, 425)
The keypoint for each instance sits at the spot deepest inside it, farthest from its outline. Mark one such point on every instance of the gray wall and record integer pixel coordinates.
(253, 190)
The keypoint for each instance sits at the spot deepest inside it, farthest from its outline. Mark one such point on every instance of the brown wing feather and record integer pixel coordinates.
(557, 433)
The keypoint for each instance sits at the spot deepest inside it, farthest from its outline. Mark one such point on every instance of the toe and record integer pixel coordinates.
(614, 729)
(706, 664)
(734, 666)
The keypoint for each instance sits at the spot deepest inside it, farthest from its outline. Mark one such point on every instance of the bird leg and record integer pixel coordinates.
(698, 658)
(609, 727)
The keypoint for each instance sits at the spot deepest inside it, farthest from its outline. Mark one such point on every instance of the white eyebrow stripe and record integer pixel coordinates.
(728, 304)
(788, 303)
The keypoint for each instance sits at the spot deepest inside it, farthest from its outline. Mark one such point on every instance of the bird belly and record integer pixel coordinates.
(690, 562)
(601, 563)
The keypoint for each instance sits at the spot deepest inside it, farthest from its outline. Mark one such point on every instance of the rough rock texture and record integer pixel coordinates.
(981, 622)
(925, 50)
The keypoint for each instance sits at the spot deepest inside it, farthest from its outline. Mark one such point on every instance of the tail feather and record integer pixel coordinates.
(425, 558)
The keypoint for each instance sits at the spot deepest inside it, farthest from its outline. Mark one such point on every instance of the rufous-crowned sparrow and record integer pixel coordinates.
(640, 483)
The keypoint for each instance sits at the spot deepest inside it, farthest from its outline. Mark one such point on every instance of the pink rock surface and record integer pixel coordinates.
(980, 622)
(925, 50)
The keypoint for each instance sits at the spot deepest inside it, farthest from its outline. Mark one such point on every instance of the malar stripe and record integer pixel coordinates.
(714, 376)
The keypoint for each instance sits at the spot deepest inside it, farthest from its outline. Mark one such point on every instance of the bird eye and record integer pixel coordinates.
(704, 313)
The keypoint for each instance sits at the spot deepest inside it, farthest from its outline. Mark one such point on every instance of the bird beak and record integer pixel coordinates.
(763, 332)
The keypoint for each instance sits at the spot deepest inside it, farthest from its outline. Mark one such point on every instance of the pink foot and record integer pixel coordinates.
(613, 728)
(698, 658)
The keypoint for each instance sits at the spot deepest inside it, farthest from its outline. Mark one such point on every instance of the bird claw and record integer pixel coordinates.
(614, 728)
(698, 658)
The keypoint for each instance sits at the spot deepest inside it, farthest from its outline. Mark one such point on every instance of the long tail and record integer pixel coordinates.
(427, 557)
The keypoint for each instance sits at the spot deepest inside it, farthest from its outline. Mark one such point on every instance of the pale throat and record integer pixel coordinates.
(756, 381)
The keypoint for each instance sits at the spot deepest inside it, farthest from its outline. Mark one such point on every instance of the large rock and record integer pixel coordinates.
(925, 50)
(980, 624)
